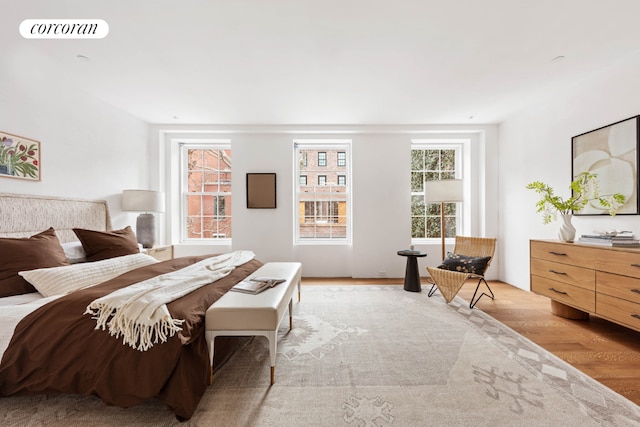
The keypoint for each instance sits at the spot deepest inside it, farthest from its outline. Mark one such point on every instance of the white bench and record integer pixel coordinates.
(240, 314)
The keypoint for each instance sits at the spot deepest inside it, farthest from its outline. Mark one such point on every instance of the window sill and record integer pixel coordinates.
(206, 242)
(319, 242)
(432, 241)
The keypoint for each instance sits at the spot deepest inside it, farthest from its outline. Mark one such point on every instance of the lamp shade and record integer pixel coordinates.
(445, 190)
(142, 201)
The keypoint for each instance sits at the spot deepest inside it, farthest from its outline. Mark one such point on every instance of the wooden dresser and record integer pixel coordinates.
(588, 279)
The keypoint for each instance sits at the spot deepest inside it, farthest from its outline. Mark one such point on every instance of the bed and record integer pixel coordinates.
(49, 344)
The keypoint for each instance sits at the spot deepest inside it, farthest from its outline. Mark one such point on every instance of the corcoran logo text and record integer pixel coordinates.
(64, 29)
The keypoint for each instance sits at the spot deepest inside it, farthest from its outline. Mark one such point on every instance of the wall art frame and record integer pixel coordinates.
(611, 152)
(261, 190)
(19, 157)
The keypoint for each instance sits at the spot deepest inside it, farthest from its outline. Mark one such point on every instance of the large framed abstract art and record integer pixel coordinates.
(19, 157)
(611, 152)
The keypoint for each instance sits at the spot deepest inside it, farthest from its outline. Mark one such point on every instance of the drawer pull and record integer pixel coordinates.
(557, 291)
(636, 316)
(160, 249)
(635, 265)
(561, 254)
(558, 272)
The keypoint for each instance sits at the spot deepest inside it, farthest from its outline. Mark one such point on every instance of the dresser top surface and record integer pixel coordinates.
(587, 245)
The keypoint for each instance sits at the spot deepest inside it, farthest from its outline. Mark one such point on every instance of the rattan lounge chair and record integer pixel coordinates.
(449, 282)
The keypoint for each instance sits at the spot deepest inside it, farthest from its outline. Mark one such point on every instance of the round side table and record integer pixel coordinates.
(412, 274)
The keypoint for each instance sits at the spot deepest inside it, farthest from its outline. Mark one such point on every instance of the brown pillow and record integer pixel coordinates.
(107, 244)
(42, 250)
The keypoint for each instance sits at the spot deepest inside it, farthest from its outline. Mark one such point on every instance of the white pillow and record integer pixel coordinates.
(65, 279)
(74, 252)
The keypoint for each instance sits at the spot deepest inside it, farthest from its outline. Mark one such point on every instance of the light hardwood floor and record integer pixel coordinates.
(603, 350)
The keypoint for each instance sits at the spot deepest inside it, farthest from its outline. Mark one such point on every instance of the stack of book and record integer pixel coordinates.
(624, 239)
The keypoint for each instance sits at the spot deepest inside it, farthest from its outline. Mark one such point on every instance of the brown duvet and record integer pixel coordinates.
(56, 349)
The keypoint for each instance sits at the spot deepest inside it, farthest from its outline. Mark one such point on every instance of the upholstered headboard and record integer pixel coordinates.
(25, 215)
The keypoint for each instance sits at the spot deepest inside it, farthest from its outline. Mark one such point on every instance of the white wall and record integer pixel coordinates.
(91, 150)
(535, 144)
(381, 205)
(88, 149)
(380, 188)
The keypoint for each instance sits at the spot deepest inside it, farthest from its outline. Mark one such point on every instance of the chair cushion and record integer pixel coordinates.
(465, 264)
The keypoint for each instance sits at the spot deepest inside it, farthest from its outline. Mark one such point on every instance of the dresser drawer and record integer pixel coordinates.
(618, 310)
(580, 256)
(619, 262)
(626, 288)
(573, 296)
(577, 276)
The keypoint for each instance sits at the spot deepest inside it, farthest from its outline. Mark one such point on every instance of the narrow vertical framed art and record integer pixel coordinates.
(261, 190)
(19, 157)
(611, 152)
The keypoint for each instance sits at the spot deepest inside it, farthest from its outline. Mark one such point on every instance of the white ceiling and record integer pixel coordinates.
(329, 61)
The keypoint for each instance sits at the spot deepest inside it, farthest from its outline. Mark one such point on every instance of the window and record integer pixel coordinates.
(342, 158)
(323, 212)
(303, 180)
(322, 158)
(206, 191)
(434, 162)
(219, 206)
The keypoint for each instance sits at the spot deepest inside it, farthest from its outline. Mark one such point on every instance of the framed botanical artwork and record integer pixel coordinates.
(19, 157)
(261, 190)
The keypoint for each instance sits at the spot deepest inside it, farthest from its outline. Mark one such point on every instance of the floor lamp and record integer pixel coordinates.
(443, 191)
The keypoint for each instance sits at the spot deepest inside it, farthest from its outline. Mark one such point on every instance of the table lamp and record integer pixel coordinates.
(145, 201)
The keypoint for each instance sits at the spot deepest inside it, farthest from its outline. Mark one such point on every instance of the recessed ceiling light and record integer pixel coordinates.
(82, 58)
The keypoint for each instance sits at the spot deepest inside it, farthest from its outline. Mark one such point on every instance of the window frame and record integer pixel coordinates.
(183, 148)
(343, 145)
(459, 149)
(322, 162)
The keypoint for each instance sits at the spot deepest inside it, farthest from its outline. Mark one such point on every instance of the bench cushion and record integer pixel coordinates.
(236, 311)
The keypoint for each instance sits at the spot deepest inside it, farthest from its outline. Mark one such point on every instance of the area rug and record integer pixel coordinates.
(373, 356)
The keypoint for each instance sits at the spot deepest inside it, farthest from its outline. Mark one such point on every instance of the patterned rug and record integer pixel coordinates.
(373, 356)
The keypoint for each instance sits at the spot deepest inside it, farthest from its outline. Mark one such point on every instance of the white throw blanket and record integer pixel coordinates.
(139, 312)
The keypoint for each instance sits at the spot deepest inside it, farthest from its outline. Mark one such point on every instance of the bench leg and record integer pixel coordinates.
(211, 338)
(272, 336)
(291, 314)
